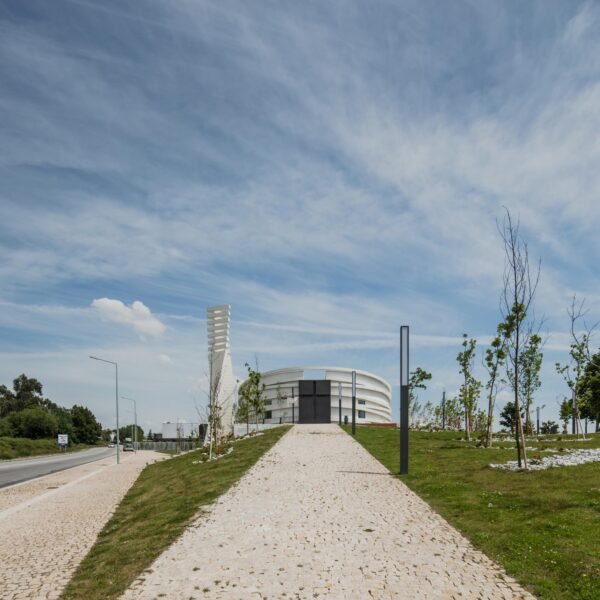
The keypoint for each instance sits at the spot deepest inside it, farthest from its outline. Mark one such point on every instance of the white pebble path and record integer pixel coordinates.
(319, 517)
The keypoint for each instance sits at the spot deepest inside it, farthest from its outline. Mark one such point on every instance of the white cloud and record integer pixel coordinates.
(165, 358)
(137, 315)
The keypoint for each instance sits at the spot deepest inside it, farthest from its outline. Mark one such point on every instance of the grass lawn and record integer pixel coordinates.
(155, 511)
(542, 526)
(22, 447)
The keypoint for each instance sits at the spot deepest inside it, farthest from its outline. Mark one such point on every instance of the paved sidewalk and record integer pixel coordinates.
(48, 525)
(319, 517)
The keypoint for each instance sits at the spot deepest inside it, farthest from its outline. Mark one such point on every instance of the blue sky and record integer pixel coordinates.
(330, 169)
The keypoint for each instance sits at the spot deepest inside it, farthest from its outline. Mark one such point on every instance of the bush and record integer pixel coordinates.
(34, 423)
(6, 429)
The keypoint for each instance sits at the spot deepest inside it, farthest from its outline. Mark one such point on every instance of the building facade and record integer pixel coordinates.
(315, 395)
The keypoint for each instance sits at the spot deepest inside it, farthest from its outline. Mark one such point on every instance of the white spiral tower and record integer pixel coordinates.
(222, 381)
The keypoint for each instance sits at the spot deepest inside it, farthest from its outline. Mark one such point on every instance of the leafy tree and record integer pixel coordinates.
(128, 431)
(581, 365)
(27, 393)
(509, 418)
(64, 420)
(471, 388)
(549, 427)
(531, 364)
(106, 435)
(417, 381)
(590, 390)
(495, 357)
(251, 394)
(86, 429)
(34, 423)
(453, 414)
(565, 412)
(519, 287)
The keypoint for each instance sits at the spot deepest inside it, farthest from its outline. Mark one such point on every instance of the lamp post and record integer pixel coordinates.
(404, 398)
(135, 433)
(340, 402)
(112, 362)
(353, 402)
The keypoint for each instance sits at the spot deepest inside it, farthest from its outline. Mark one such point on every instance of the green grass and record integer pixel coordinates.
(23, 447)
(542, 526)
(155, 511)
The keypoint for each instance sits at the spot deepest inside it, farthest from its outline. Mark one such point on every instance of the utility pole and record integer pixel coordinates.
(340, 401)
(112, 362)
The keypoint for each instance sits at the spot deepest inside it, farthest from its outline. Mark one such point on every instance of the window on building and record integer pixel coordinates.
(361, 401)
(267, 402)
(361, 414)
(269, 414)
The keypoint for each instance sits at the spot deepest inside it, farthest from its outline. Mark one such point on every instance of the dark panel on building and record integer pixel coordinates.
(314, 401)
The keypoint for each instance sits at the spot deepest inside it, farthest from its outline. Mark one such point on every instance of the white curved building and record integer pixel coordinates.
(311, 395)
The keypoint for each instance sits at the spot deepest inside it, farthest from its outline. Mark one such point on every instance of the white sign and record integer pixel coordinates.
(63, 439)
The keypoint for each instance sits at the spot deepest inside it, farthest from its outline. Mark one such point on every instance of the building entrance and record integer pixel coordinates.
(314, 401)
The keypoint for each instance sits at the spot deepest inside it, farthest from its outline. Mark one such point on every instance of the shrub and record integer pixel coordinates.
(34, 423)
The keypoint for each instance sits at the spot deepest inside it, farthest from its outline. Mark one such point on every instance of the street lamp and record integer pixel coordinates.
(135, 433)
(111, 362)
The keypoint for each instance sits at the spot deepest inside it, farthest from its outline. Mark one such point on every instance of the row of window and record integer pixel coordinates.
(361, 414)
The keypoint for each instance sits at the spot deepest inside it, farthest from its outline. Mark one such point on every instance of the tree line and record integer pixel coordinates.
(25, 413)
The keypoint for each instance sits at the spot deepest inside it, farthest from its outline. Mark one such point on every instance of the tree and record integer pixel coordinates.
(86, 429)
(416, 381)
(549, 427)
(471, 388)
(565, 413)
(251, 394)
(495, 356)
(128, 431)
(34, 423)
(27, 393)
(590, 390)
(574, 372)
(508, 417)
(519, 286)
(453, 412)
(531, 364)
(64, 420)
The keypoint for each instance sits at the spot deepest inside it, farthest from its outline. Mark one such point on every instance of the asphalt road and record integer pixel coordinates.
(22, 469)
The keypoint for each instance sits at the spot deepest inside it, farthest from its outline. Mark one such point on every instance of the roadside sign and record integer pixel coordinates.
(63, 439)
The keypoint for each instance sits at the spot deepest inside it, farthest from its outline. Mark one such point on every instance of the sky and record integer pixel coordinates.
(332, 170)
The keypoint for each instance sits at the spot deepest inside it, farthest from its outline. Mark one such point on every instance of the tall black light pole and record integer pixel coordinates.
(116, 395)
(404, 399)
(340, 401)
(574, 413)
(537, 410)
(353, 402)
(444, 410)
(293, 406)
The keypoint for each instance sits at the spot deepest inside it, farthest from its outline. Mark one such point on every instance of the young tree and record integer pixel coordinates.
(252, 394)
(495, 356)
(590, 390)
(565, 413)
(520, 282)
(549, 427)
(531, 364)
(580, 356)
(508, 417)
(416, 381)
(471, 388)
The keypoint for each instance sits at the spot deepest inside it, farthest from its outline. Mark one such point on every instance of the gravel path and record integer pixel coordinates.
(48, 525)
(319, 517)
